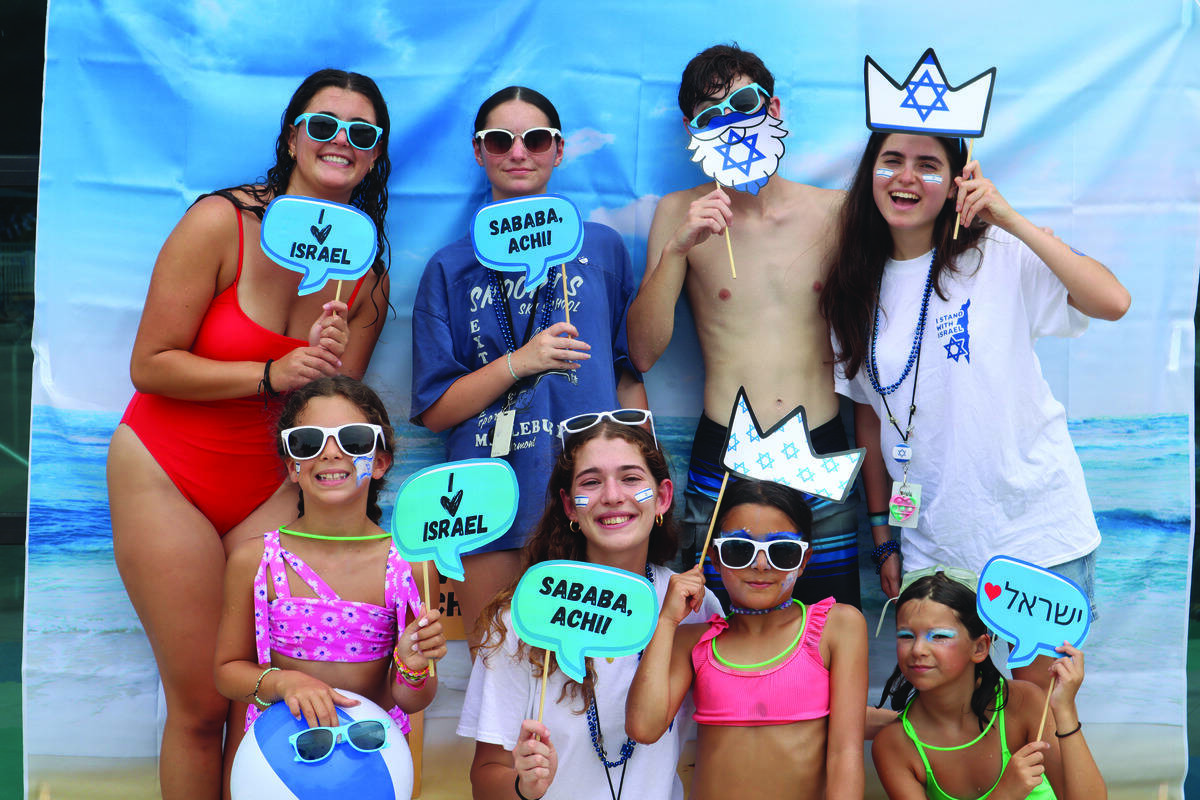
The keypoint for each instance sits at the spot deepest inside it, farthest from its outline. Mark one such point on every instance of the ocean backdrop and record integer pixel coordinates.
(88, 661)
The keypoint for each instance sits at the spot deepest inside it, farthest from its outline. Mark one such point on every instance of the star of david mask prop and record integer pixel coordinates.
(739, 150)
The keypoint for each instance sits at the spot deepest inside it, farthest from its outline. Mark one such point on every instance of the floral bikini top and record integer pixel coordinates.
(325, 627)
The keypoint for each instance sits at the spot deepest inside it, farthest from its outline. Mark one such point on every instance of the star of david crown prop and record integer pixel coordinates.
(926, 102)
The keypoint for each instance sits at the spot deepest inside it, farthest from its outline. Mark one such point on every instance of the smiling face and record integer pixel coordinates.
(614, 499)
(933, 647)
(518, 172)
(912, 184)
(331, 169)
(758, 585)
(333, 477)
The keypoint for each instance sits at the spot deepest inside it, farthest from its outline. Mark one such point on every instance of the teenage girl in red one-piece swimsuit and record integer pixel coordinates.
(192, 469)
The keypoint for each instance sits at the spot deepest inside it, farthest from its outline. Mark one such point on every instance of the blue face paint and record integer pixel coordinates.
(581, 500)
(883, 172)
(931, 178)
(933, 635)
(363, 466)
(644, 495)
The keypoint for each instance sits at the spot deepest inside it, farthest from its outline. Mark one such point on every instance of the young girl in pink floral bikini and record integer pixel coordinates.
(318, 602)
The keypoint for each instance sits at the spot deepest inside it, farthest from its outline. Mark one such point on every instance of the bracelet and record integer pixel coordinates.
(258, 685)
(877, 518)
(415, 678)
(883, 552)
(517, 787)
(508, 357)
(1071, 732)
(264, 386)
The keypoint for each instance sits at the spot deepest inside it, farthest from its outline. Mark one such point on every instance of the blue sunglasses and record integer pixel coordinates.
(323, 127)
(745, 100)
(316, 744)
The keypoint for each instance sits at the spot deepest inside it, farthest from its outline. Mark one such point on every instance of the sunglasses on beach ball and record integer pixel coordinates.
(316, 744)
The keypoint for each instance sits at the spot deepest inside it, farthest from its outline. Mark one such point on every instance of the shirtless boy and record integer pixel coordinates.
(761, 330)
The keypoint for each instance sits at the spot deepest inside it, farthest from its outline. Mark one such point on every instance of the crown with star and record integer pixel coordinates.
(926, 102)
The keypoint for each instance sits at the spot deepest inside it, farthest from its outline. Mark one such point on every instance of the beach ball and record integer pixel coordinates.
(265, 767)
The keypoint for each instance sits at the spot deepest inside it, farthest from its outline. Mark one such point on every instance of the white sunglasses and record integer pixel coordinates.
(622, 416)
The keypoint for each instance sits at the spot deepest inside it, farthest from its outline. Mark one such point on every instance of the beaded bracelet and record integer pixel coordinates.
(882, 552)
(508, 357)
(414, 678)
(258, 685)
(877, 518)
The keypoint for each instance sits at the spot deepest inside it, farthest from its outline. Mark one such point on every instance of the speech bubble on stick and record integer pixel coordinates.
(319, 239)
(580, 610)
(527, 234)
(449, 509)
(1034, 608)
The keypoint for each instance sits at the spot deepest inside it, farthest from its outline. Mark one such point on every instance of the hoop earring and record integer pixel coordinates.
(573, 525)
(658, 520)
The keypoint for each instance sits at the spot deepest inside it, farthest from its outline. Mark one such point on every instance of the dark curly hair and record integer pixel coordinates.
(961, 600)
(553, 539)
(765, 493)
(357, 393)
(710, 74)
(371, 194)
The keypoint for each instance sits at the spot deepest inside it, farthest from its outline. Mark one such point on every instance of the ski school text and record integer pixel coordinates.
(523, 222)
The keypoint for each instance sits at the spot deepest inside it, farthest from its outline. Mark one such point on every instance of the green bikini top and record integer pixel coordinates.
(933, 791)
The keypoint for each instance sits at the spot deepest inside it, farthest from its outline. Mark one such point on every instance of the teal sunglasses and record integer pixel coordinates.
(323, 127)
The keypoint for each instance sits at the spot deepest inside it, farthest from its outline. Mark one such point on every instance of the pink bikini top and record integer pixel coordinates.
(792, 689)
(325, 627)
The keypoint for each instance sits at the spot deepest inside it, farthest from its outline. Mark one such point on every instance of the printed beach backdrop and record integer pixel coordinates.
(148, 105)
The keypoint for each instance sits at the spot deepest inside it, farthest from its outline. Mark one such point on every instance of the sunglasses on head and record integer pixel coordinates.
(355, 438)
(498, 141)
(316, 744)
(959, 575)
(323, 127)
(622, 416)
(736, 552)
(745, 100)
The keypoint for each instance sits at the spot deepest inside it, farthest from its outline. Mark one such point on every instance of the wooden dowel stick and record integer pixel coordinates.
(713, 521)
(566, 303)
(729, 246)
(1046, 708)
(958, 216)
(545, 673)
(337, 296)
(424, 580)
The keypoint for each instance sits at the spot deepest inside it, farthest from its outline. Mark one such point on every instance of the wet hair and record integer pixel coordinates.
(522, 93)
(961, 600)
(371, 194)
(711, 72)
(774, 495)
(864, 246)
(360, 395)
(553, 539)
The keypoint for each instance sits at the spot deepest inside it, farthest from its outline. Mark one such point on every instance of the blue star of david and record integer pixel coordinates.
(957, 348)
(805, 475)
(765, 461)
(752, 152)
(924, 110)
(740, 467)
(733, 441)
(831, 465)
(753, 434)
(791, 451)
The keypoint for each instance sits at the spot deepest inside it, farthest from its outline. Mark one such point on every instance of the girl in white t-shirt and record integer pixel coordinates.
(934, 340)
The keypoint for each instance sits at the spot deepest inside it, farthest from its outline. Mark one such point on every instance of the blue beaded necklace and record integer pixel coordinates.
(593, 721)
(756, 611)
(504, 317)
(914, 359)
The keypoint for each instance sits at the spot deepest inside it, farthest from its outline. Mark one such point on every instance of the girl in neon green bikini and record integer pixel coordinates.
(960, 712)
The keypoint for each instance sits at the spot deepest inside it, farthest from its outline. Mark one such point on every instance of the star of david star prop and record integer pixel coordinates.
(784, 454)
(925, 102)
(925, 109)
(752, 152)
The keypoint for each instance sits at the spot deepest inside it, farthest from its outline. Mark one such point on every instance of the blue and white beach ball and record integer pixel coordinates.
(266, 768)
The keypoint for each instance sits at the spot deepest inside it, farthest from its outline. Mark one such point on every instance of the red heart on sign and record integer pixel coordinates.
(991, 590)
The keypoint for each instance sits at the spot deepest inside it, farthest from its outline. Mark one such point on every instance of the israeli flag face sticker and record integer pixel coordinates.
(581, 500)
(884, 172)
(644, 495)
(932, 178)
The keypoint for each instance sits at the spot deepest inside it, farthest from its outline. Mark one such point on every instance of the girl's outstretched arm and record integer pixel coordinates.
(1090, 286)
(900, 769)
(1080, 773)
(846, 634)
(665, 672)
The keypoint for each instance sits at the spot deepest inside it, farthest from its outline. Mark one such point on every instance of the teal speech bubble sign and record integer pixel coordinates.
(1034, 608)
(527, 234)
(448, 509)
(318, 239)
(580, 610)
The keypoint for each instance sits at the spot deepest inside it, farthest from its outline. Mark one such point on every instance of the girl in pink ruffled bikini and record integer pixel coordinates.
(318, 602)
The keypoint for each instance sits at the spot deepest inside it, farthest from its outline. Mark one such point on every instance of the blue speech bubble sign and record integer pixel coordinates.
(319, 239)
(527, 234)
(580, 610)
(1034, 608)
(448, 509)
